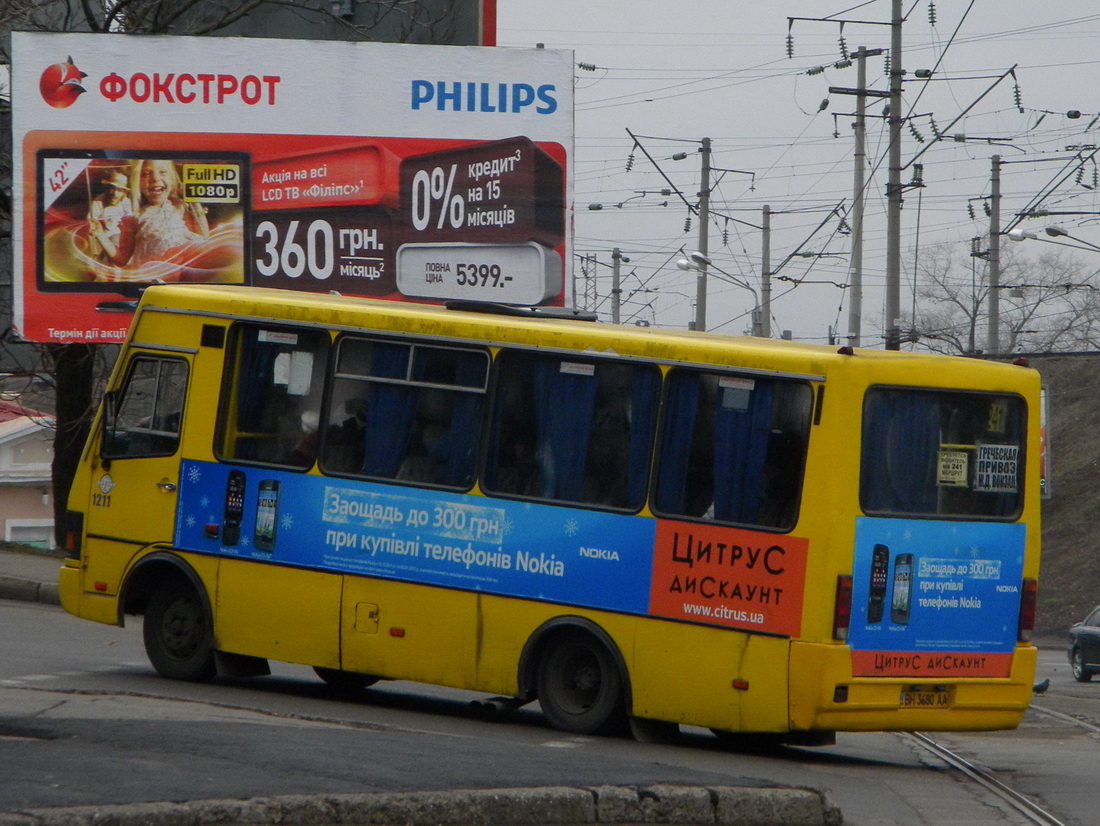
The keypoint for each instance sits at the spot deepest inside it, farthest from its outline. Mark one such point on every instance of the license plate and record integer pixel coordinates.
(926, 699)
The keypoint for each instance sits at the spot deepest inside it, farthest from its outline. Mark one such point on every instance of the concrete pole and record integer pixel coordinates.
(993, 344)
(855, 304)
(765, 322)
(616, 290)
(893, 186)
(704, 234)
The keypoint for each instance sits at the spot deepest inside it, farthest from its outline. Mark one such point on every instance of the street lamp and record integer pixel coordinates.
(699, 262)
(1054, 231)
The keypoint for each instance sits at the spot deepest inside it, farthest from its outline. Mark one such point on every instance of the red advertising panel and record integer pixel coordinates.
(728, 576)
(413, 173)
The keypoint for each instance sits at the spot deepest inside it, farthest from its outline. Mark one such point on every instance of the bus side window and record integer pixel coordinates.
(148, 413)
(571, 430)
(733, 448)
(271, 404)
(408, 412)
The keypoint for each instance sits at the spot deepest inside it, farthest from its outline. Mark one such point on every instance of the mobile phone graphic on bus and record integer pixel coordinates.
(234, 508)
(267, 510)
(880, 562)
(903, 587)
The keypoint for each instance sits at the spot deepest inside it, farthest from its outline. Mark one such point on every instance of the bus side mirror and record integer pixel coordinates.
(108, 426)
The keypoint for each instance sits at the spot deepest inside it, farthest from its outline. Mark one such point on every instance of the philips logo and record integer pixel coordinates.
(470, 96)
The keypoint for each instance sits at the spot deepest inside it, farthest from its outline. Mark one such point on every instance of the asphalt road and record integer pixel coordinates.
(84, 720)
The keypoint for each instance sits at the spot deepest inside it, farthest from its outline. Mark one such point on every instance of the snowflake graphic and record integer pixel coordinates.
(191, 521)
(245, 541)
(194, 475)
(204, 502)
(287, 522)
(507, 526)
(571, 527)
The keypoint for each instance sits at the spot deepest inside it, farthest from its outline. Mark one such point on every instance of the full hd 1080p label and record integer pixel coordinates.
(216, 183)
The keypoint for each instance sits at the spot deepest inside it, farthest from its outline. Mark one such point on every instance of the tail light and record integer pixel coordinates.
(842, 611)
(1027, 610)
(74, 533)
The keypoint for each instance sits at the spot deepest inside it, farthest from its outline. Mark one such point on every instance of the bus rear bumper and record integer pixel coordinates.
(825, 695)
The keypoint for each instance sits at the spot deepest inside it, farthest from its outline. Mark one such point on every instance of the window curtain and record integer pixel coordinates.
(900, 444)
(681, 409)
(644, 394)
(389, 413)
(253, 390)
(563, 406)
(257, 374)
(465, 429)
(740, 453)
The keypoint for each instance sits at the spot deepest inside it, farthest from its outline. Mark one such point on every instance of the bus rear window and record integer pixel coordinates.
(942, 453)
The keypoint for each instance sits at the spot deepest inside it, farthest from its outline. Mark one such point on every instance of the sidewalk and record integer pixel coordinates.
(29, 577)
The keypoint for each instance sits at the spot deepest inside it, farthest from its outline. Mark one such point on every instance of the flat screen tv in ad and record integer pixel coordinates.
(116, 221)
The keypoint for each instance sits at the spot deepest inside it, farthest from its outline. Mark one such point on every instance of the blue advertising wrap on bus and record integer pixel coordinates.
(601, 560)
(927, 586)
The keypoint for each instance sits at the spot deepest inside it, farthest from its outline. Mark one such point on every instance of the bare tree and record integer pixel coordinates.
(1047, 302)
(412, 21)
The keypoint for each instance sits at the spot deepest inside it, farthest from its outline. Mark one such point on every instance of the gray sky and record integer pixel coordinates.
(718, 68)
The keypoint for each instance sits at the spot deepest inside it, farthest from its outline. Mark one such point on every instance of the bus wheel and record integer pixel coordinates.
(579, 685)
(345, 680)
(177, 634)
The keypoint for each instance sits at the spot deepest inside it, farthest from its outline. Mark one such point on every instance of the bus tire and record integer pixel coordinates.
(345, 681)
(580, 688)
(177, 633)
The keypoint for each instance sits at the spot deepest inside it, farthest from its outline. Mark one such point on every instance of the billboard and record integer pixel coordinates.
(415, 173)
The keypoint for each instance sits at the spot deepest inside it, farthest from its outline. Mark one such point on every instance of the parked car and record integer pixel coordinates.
(1084, 647)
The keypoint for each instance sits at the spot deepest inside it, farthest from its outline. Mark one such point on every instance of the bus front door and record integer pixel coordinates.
(133, 494)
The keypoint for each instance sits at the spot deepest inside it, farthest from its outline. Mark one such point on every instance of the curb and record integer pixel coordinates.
(723, 805)
(29, 590)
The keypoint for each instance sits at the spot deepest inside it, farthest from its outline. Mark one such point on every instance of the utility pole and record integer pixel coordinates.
(616, 291)
(893, 186)
(855, 306)
(704, 233)
(765, 322)
(993, 343)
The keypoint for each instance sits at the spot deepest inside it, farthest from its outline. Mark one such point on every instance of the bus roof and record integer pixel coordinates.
(662, 344)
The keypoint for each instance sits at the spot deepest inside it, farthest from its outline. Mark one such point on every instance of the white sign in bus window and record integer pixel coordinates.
(998, 469)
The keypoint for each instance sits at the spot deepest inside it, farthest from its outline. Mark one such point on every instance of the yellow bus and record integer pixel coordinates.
(625, 524)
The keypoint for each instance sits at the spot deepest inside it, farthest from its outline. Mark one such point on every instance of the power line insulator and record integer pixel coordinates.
(931, 13)
(790, 45)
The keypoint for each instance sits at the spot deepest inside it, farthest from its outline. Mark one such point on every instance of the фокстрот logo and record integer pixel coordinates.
(60, 84)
